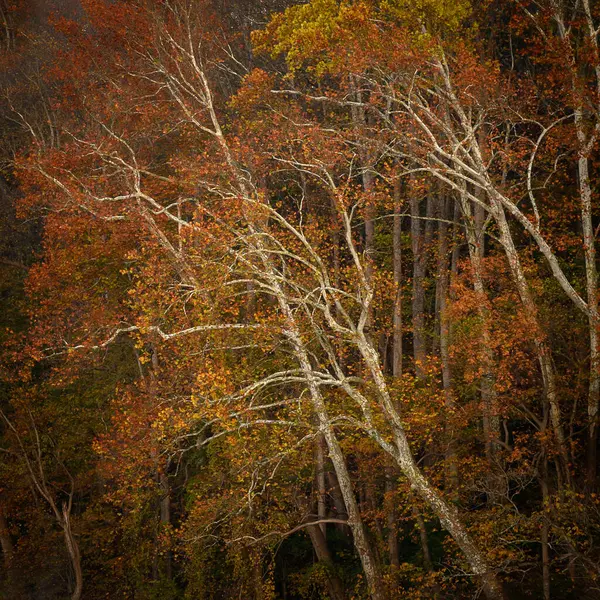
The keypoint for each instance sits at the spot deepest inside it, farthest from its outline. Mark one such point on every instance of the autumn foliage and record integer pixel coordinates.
(300, 300)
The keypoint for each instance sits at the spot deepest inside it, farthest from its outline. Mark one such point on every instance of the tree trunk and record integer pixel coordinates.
(443, 283)
(490, 418)
(543, 351)
(418, 296)
(591, 277)
(73, 550)
(338, 501)
(391, 518)
(321, 485)
(369, 224)
(355, 522)
(401, 452)
(452, 523)
(545, 532)
(372, 506)
(165, 516)
(335, 587)
(390, 479)
(423, 538)
(474, 228)
(257, 576)
(397, 250)
(545, 561)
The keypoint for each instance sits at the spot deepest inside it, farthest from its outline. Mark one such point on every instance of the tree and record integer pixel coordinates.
(231, 229)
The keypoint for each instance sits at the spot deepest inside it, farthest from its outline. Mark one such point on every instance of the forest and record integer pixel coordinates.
(299, 300)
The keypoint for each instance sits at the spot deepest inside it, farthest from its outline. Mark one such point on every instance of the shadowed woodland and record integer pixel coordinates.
(299, 301)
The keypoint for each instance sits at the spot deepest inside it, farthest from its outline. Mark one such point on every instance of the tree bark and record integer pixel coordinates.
(391, 518)
(397, 250)
(587, 137)
(423, 538)
(397, 364)
(418, 294)
(335, 587)
(165, 516)
(73, 550)
(369, 223)
(442, 289)
(540, 343)
(591, 278)
(401, 452)
(545, 531)
(490, 419)
(321, 484)
(336, 495)
(355, 522)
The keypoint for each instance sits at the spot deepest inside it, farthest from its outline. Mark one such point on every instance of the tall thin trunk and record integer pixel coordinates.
(369, 224)
(443, 283)
(391, 518)
(165, 516)
(335, 242)
(441, 292)
(423, 538)
(401, 452)
(587, 137)
(355, 522)
(321, 484)
(336, 494)
(335, 587)
(418, 293)
(164, 503)
(397, 250)
(490, 418)
(73, 550)
(359, 117)
(591, 277)
(543, 351)
(372, 505)
(545, 561)
(545, 532)
(390, 478)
